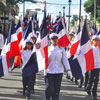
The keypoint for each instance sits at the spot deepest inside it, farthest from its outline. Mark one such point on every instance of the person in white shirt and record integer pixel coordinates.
(57, 61)
(94, 75)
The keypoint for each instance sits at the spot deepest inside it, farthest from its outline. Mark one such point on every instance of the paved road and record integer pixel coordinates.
(11, 88)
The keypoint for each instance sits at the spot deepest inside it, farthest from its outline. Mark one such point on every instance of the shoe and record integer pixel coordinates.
(80, 86)
(94, 97)
(23, 93)
(89, 93)
(27, 98)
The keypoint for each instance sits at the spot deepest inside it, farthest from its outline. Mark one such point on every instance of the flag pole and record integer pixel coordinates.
(45, 70)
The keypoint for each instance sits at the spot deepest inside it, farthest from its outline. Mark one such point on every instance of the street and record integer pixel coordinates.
(11, 88)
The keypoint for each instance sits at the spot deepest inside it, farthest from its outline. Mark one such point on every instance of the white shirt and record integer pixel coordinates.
(96, 53)
(57, 58)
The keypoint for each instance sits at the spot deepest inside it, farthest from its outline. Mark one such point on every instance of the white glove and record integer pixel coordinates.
(70, 74)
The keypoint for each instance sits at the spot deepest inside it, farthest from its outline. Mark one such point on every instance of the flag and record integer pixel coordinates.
(31, 65)
(4, 68)
(27, 31)
(12, 43)
(11, 49)
(86, 49)
(42, 53)
(63, 40)
(19, 30)
(75, 43)
(84, 60)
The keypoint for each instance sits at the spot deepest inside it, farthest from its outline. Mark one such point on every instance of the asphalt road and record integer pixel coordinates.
(11, 88)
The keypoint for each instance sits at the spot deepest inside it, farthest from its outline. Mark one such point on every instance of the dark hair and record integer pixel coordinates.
(26, 46)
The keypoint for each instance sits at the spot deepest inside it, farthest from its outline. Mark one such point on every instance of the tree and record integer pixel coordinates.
(75, 18)
(18, 1)
(89, 8)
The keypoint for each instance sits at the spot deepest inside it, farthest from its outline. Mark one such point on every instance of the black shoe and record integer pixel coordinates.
(23, 93)
(89, 93)
(72, 79)
(80, 86)
(94, 97)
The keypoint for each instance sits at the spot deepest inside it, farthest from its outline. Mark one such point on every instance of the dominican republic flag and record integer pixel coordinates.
(42, 52)
(75, 43)
(35, 22)
(18, 28)
(84, 61)
(27, 31)
(63, 40)
(11, 49)
(31, 65)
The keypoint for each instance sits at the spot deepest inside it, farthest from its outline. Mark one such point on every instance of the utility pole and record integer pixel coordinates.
(69, 1)
(23, 9)
(95, 12)
(80, 10)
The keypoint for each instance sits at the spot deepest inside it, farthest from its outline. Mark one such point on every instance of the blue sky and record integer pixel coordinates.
(54, 9)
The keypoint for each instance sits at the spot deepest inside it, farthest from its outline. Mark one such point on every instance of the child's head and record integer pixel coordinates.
(95, 40)
(29, 44)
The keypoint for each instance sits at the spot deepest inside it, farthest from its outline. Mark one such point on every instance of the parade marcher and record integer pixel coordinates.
(29, 68)
(70, 36)
(94, 74)
(57, 59)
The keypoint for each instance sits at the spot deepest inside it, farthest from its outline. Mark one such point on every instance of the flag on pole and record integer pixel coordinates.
(42, 53)
(11, 49)
(63, 40)
(84, 60)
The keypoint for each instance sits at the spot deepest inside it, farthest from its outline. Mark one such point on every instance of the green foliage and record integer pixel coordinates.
(33, 1)
(89, 8)
(75, 18)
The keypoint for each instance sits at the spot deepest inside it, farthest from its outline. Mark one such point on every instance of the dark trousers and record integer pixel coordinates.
(53, 84)
(86, 79)
(94, 78)
(34, 81)
(28, 84)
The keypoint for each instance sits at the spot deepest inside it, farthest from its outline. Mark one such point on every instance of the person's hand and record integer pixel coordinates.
(69, 74)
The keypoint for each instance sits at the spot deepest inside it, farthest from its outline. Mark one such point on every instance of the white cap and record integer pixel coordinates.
(29, 41)
(33, 36)
(71, 33)
(95, 37)
(53, 35)
(37, 32)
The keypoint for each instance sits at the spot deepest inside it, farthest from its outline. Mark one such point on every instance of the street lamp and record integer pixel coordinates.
(69, 1)
(80, 10)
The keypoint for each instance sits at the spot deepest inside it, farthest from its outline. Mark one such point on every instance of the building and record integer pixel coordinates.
(6, 12)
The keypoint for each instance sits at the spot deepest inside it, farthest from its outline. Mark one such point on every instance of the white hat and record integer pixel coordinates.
(29, 41)
(71, 33)
(37, 32)
(33, 36)
(95, 37)
(53, 35)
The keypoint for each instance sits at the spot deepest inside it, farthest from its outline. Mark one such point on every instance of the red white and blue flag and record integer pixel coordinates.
(84, 61)
(42, 53)
(63, 40)
(11, 49)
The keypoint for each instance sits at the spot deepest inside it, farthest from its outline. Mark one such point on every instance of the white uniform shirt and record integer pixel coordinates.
(57, 60)
(96, 53)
